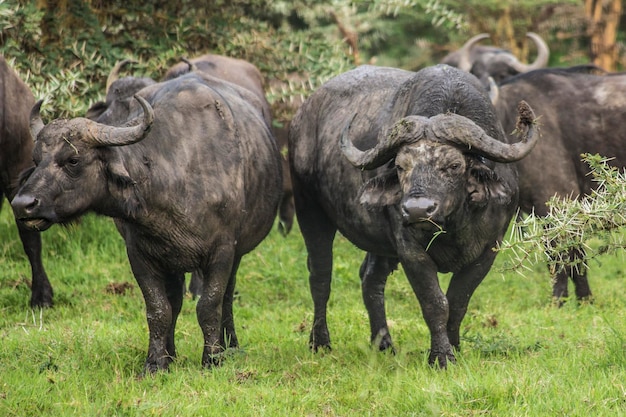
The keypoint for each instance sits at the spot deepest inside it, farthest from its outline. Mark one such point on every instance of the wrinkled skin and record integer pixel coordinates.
(579, 112)
(183, 197)
(16, 156)
(395, 211)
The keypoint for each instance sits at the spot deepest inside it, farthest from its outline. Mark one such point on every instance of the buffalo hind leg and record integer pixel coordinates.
(577, 272)
(318, 233)
(175, 290)
(210, 308)
(373, 273)
(229, 337)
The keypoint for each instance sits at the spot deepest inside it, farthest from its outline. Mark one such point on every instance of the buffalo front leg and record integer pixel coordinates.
(422, 275)
(161, 315)
(210, 308)
(41, 290)
(460, 290)
(374, 272)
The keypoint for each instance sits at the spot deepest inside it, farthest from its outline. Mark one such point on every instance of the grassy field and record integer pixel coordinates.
(520, 355)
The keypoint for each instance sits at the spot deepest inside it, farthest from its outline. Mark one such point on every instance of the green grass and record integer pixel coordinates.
(520, 355)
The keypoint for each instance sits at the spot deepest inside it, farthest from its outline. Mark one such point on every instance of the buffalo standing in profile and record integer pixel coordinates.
(580, 111)
(421, 175)
(491, 61)
(192, 180)
(16, 156)
(120, 91)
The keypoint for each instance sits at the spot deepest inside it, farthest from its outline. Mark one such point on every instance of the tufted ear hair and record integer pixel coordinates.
(382, 190)
(483, 183)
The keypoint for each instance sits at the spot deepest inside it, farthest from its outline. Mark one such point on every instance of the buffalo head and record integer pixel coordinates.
(119, 96)
(73, 167)
(494, 62)
(439, 163)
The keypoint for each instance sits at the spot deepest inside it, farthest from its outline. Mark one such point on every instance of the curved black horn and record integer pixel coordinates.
(461, 130)
(35, 123)
(408, 130)
(103, 135)
(465, 62)
(114, 75)
(543, 55)
(192, 66)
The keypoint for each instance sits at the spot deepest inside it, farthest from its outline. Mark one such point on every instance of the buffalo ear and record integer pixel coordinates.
(118, 173)
(382, 190)
(123, 186)
(483, 185)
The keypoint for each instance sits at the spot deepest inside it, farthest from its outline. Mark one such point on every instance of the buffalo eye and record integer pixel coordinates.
(73, 161)
(453, 167)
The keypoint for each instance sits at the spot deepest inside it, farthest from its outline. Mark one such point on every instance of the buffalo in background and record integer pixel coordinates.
(491, 61)
(422, 175)
(580, 110)
(16, 148)
(192, 180)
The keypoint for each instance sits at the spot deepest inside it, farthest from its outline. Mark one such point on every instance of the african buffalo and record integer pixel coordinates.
(411, 168)
(237, 71)
(193, 182)
(579, 111)
(494, 62)
(15, 157)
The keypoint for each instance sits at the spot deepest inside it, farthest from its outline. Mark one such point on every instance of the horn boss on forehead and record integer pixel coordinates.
(407, 130)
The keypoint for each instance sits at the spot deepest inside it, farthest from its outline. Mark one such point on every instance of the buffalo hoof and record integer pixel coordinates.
(319, 340)
(384, 343)
(441, 359)
(212, 360)
(41, 301)
(41, 296)
(152, 367)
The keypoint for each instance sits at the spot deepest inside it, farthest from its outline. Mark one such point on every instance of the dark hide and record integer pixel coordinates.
(248, 76)
(470, 199)
(579, 112)
(16, 148)
(199, 191)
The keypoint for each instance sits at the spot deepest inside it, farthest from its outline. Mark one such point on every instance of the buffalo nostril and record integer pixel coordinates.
(419, 208)
(24, 204)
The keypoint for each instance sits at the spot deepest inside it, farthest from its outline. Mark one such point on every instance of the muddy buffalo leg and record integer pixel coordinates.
(41, 295)
(318, 233)
(159, 311)
(215, 280)
(461, 289)
(228, 335)
(374, 272)
(422, 275)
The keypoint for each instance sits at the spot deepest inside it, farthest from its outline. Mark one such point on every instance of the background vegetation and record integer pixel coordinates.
(520, 355)
(65, 49)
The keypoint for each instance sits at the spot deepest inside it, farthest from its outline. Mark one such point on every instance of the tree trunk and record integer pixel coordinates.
(604, 16)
